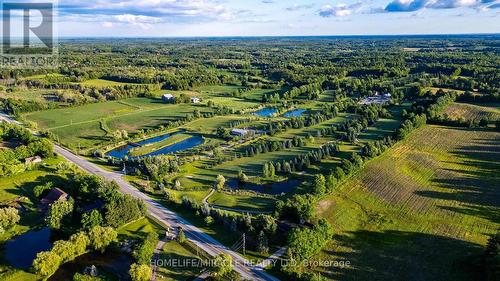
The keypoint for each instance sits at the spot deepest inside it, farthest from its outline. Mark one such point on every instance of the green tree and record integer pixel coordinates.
(8, 217)
(319, 185)
(262, 244)
(242, 177)
(220, 181)
(223, 265)
(209, 220)
(100, 237)
(46, 263)
(84, 277)
(89, 220)
(64, 249)
(81, 241)
(181, 236)
(331, 182)
(144, 252)
(140, 272)
(59, 211)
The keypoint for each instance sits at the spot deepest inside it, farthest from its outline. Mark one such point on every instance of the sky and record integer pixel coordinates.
(178, 18)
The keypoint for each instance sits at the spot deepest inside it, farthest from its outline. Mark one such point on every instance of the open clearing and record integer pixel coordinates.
(88, 125)
(419, 211)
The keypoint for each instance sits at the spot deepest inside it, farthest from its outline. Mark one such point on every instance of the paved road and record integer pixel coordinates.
(194, 234)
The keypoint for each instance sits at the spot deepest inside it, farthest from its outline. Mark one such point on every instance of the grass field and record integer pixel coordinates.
(210, 125)
(242, 202)
(472, 112)
(419, 211)
(174, 251)
(30, 95)
(88, 125)
(101, 83)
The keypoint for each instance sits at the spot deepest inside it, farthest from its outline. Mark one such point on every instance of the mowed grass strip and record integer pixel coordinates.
(146, 149)
(420, 210)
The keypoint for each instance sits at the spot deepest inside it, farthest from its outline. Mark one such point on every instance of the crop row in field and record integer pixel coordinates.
(434, 191)
(469, 112)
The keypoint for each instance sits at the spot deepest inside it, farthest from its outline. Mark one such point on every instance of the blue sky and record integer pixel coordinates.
(275, 17)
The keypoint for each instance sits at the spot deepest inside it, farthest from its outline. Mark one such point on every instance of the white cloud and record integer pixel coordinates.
(340, 10)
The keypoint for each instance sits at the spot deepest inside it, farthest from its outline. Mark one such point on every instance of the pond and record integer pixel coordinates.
(270, 188)
(180, 146)
(123, 151)
(112, 264)
(294, 113)
(266, 112)
(21, 251)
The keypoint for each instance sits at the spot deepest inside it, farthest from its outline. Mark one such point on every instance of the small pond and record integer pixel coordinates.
(270, 188)
(266, 112)
(294, 113)
(111, 263)
(21, 251)
(123, 151)
(180, 146)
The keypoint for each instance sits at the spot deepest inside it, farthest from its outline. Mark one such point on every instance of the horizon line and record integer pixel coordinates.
(279, 36)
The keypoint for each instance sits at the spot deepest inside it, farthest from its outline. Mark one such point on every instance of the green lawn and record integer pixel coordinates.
(139, 228)
(175, 252)
(87, 126)
(55, 118)
(242, 202)
(234, 103)
(424, 208)
(101, 83)
(210, 125)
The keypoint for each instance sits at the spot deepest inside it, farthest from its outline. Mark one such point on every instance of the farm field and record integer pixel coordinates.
(434, 191)
(101, 83)
(89, 125)
(466, 111)
(30, 95)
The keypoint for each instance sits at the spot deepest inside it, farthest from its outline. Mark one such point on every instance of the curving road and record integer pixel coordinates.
(193, 234)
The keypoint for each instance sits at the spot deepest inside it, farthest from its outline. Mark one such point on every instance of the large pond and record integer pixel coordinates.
(111, 263)
(21, 251)
(294, 113)
(266, 112)
(123, 151)
(270, 188)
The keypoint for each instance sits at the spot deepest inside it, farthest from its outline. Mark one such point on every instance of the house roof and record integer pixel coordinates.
(54, 195)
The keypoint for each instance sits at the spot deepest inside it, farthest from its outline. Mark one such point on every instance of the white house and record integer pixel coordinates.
(195, 100)
(240, 132)
(168, 97)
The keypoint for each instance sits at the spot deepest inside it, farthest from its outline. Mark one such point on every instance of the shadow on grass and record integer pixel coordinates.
(476, 186)
(398, 255)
